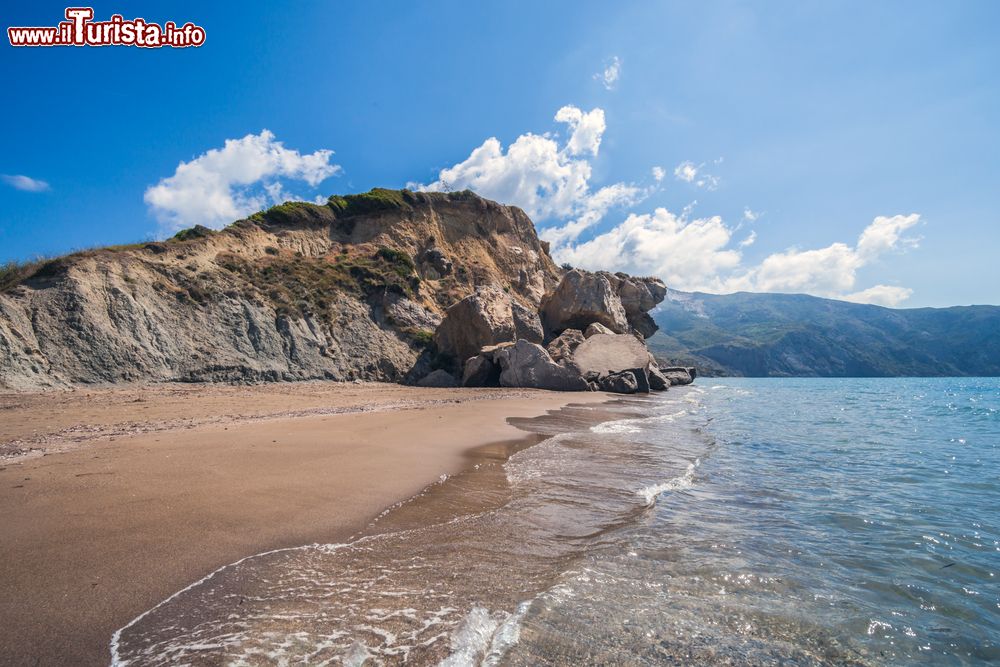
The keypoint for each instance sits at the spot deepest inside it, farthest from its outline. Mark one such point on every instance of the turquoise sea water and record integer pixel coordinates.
(862, 512)
(825, 521)
(733, 522)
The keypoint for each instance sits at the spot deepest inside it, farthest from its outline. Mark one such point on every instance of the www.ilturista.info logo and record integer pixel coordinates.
(79, 29)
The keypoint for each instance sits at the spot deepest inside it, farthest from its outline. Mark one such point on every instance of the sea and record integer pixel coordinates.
(730, 522)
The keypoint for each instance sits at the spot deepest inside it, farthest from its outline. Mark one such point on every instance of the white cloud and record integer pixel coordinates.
(880, 295)
(224, 184)
(686, 171)
(831, 271)
(698, 255)
(594, 208)
(610, 74)
(687, 254)
(885, 233)
(25, 183)
(548, 180)
(689, 172)
(586, 129)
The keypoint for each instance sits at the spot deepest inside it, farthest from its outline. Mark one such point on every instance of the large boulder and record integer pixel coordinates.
(623, 382)
(679, 374)
(596, 328)
(616, 301)
(638, 297)
(639, 294)
(657, 380)
(527, 323)
(527, 364)
(438, 378)
(562, 348)
(487, 317)
(610, 353)
(581, 298)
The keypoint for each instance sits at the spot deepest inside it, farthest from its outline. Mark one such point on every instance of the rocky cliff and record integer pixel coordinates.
(354, 289)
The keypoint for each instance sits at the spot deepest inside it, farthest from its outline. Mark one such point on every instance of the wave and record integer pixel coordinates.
(650, 493)
(634, 425)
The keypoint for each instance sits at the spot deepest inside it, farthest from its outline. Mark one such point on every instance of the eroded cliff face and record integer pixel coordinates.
(351, 290)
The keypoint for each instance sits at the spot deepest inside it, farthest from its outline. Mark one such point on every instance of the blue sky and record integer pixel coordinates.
(844, 149)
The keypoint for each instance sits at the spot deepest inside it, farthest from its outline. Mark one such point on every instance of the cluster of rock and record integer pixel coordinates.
(587, 335)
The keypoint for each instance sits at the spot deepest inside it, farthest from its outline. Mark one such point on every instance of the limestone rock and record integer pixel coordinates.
(638, 296)
(562, 348)
(678, 375)
(623, 382)
(527, 323)
(641, 379)
(438, 378)
(526, 364)
(610, 353)
(580, 299)
(596, 328)
(481, 319)
(657, 380)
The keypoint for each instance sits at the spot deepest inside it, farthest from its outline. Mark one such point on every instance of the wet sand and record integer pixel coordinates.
(111, 500)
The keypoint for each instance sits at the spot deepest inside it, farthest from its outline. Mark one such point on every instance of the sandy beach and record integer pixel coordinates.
(112, 499)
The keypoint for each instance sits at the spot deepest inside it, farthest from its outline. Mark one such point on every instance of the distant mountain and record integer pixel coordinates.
(765, 335)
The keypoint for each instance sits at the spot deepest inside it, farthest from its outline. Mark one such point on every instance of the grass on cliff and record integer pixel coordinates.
(307, 285)
(196, 232)
(13, 273)
(373, 201)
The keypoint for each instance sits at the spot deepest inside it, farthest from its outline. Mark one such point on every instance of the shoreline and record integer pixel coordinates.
(104, 520)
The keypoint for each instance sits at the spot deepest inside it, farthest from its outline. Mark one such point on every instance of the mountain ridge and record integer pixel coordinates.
(781, 335)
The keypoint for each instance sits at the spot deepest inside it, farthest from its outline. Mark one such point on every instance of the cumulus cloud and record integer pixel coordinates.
(698, 254)
(831, 271)
(224, 184)
(586, 129)
(594, 208)
(25, 183)
(880, 295)
(610, 74)
(689, 172)
(687, 254)
(548, 179)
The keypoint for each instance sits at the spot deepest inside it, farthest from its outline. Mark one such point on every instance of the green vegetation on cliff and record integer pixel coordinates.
(305, 285)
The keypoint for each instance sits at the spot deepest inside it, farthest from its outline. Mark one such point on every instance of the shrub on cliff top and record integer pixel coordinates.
(196, 232)
(373, 201)
(290, 211)
(12, 273)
